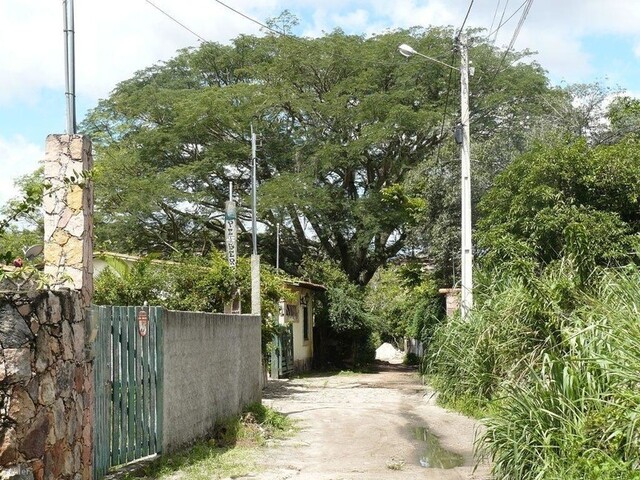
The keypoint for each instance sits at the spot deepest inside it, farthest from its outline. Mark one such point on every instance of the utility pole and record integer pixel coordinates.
(466, 250)
(255, 258)
(278, 247)
(69, 65)
(466, 284)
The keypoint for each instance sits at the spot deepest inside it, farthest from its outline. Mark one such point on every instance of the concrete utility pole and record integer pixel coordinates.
(466, 250)
(277, 247)
(466, 285)
(255, 258)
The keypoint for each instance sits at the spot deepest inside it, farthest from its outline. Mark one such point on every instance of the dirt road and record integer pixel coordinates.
(374, 426)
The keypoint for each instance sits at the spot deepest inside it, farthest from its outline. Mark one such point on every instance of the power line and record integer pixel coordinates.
(446, 106)
(501, 24)
(224, 5)
(176, 21)
(495, 14)
(516, 32)
(467, 15)
(252, 19)
(504, 10)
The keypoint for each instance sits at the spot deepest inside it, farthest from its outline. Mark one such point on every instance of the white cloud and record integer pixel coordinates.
(113, 40)
(17, 157)
(118, 37)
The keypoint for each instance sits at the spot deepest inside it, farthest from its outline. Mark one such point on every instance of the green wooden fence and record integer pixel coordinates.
(128, 386)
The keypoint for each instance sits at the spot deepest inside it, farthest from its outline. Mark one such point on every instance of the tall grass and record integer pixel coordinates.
(516, 320)
(556, 368)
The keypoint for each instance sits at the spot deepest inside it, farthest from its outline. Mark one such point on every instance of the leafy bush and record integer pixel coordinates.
(404, 303)
(190, 284)
(514, 322)
(575, 415)
(344, 329)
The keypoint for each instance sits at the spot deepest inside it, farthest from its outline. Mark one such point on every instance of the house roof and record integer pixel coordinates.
(305, 284)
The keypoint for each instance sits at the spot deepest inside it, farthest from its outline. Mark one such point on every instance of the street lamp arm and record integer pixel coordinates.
(407, 51)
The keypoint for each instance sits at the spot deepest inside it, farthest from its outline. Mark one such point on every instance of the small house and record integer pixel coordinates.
(293, 352)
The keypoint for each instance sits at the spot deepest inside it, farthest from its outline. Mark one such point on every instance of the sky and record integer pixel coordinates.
(576, 40)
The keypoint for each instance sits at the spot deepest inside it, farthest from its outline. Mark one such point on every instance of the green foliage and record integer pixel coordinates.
(344, 329)
(624, 116)
(350, 131)
(553, 365)
(411, 359)
(190, 284)
(404, 302)
(231, 450)
(565, 199)
(574, 414)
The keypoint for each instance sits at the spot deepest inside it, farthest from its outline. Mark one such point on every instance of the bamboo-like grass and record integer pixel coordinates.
(554, 364)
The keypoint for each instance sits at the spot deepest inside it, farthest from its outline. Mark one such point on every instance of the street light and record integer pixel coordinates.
(466, 284)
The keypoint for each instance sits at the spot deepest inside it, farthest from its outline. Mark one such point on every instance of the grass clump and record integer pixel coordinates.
(230, 451)
(554, 366)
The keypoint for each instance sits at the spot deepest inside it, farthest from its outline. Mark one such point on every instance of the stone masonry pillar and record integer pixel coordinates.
(68, 219)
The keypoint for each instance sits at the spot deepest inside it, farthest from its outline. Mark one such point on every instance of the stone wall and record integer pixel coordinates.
(46, 372)
(46, 391)
(212, 370)
(68, 209)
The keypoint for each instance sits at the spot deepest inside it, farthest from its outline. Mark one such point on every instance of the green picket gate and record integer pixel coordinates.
(282, 353)
(128, 386)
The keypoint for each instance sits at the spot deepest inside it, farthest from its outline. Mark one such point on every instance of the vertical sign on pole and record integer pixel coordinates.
(231, 234)
(231, 240)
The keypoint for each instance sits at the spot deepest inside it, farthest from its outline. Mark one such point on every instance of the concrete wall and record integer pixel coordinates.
(46, 387)
(212, 369)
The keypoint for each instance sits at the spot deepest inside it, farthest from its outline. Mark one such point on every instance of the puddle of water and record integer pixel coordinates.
(433, 455)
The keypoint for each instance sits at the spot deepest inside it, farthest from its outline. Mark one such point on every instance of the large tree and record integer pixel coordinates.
(356, 158)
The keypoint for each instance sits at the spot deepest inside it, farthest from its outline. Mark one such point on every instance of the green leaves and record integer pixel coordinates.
(343, 120)
(563, 199)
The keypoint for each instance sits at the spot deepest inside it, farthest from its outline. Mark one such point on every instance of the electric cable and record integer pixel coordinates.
(252, 19)
(177, 21)
(444, 115)
(504, 10)
(503, 23)
(495, 15)
(514, 37)
(466, 16)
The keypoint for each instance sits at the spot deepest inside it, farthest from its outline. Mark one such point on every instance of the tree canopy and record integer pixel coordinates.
(564, 199)
(356, 159)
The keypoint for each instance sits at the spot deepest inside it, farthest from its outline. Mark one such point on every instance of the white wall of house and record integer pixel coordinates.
(299, 313)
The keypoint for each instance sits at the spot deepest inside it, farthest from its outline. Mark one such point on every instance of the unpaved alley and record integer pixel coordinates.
(374, 426)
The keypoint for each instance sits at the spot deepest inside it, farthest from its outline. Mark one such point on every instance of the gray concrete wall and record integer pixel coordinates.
(212, 369)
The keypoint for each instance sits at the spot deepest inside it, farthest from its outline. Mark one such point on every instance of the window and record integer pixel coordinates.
(305, 323)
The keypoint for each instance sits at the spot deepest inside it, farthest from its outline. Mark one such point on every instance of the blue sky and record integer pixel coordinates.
(576, 41)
